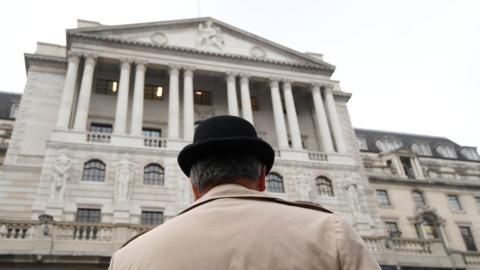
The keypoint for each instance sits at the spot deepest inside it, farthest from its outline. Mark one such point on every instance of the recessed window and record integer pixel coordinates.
(13, 110)
(201, 97)
(106, 87)
(153, 174)
(418, 198)
(454, 203)
(152, 218)
(150, 132)
(100, 128)
(151, 91)
(88, 215)
(468, 238)
(388, 143)
(382, 198)
(275, 183)
(477, 201)
(470, 153)
(362, 143)
(447, 151)
(427, 229)
(392, 229)
(407, 167)
(324, 186)
(94, 170)
(422, 149)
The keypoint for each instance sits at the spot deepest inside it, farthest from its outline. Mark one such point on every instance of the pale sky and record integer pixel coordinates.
(412, 66)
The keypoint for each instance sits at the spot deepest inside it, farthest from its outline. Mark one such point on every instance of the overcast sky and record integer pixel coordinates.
(412, 66)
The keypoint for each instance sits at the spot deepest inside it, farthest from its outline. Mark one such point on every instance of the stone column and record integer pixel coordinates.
(173, 103)
(85, 93)
(68, 91)
(322, 122)
(122, 97)
(334, 119)
(280, 127)
(246, 101)
(292, 116)
(188, 115)
(232, 94)
(138, 96)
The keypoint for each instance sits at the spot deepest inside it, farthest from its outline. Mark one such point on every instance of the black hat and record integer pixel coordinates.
(221, 135)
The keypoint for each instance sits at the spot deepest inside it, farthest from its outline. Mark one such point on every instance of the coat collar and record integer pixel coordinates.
(226, 191)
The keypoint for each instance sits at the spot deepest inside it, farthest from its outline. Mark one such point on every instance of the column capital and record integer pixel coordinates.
(90, 56)
(231, 73)
(244, 79)
(141, 66)
(74, 56)
(189, 68)
(274, 82)
(315, 84)
(140, 62)
(90, 59)
(287, 83)
(328, 87)
(125, 63)
(245, 75)
(173, 69)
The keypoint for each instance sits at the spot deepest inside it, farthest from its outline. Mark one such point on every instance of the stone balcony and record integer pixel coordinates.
(175, 145)
(100, 240)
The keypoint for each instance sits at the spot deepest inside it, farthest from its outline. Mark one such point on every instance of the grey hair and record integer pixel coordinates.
(222, 169)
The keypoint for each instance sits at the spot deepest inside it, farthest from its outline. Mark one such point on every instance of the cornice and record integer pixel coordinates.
(44, 59)
(84, 36)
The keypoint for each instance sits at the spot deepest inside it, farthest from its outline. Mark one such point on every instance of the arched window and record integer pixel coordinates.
(418, 198)
(94, 170)
(429, 229)
(324, 186)
(153, 174)
(275, 183)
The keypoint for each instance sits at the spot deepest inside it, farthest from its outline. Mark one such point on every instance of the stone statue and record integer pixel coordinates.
(124, 179)
(352, 194)
(304, 186)
(209, 35)
(60, 175)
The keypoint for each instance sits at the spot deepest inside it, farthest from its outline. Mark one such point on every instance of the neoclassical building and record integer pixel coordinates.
(92, 158)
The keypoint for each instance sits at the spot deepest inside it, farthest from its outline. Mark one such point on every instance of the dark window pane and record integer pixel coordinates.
(253, 101)
(454, 202)
(418, 199)
(153, 91)
(324, 186)
(88, 215)
(153, 174)
(106, 87)
(392, 229)
(152, 218)
(468, 238)
(201, 97)
(275, 183)
(94, 170)
(382, 197)
(100, 128)
(148, 132)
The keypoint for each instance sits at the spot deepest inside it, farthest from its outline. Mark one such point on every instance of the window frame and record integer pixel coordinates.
(87, 176)
(88, 217)
(454, 203)
(278, 185)
(147, 217)
(384, 200)
(106, 91)
(392, 224)
(324, 186)
(204, 99)
(148, 178)
(470, 244)
(151, 95)
(419, 196)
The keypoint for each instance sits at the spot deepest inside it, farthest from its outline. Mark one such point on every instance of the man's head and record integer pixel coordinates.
(226, 149)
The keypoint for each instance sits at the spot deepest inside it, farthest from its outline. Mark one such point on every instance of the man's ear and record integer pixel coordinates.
(262, 178)
(196, 193)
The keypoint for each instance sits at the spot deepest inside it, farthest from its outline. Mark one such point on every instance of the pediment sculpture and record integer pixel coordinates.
(209, 36)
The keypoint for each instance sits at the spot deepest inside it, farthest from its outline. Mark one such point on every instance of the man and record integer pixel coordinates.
(232, 224)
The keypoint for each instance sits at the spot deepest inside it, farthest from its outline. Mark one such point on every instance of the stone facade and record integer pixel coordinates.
(99, 118)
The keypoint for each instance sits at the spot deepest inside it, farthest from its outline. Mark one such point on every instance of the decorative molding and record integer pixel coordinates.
(159, 38)
(209, 36)
(73, 35)
(258, 52)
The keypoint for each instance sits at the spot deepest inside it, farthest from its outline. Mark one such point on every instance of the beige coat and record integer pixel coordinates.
(246, 232)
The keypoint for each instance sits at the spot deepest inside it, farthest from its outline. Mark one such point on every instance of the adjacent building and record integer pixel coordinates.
(92, 158)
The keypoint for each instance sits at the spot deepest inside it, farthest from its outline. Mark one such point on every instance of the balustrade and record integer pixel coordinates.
(155, 142)
(317, 156)
(98, 137)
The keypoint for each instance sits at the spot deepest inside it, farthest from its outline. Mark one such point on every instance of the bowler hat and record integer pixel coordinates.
(225, 135)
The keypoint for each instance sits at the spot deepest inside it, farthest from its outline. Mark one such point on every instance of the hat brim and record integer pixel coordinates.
(245, 145)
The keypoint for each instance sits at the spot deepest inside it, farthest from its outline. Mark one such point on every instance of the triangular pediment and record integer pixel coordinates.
(204, 35)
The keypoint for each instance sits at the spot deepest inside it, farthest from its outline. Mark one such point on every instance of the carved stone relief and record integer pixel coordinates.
(209, 36)
(124, 179)
(258, 52)
(159, 38)
(60, 175)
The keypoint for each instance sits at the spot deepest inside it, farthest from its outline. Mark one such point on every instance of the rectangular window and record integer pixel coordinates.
(477, 201)
(106, 87)
(153, 133)
(454, 202)
(382, 198)
(362, 143)
(407, 167)
(153, 92)
(152, 218)
(201, 97)
(100, 128)
(468, 238)
(88, 215)
(392, 229)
